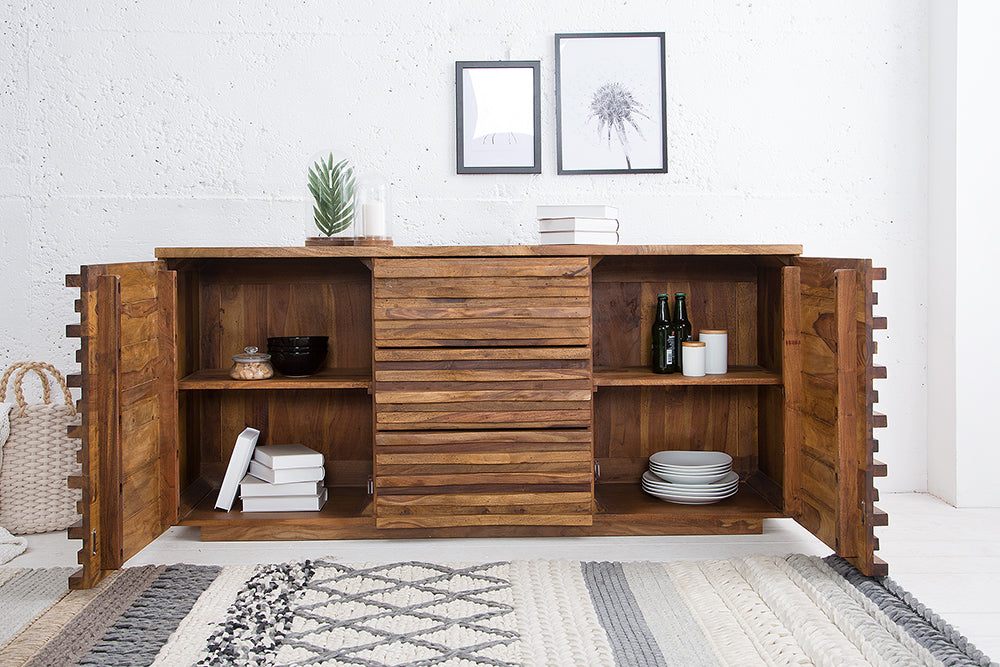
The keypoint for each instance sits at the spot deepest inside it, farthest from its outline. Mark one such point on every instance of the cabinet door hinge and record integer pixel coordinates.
(93, 542)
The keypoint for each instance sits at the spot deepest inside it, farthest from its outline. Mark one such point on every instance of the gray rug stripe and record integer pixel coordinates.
(930, 631)
(80, 634)
(667, 616)
(628, 633)
(27, 594)
(137, 635)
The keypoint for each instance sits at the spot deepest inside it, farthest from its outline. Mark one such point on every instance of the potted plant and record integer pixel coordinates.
(332, 185)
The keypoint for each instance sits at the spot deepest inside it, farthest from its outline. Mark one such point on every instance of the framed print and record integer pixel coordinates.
(611, 103)
(498, 117)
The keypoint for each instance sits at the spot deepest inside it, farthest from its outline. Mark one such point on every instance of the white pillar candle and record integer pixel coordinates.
(716, 350)
(373, 219)
(693, 359)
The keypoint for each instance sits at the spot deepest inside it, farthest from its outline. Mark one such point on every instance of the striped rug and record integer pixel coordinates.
(762, 610)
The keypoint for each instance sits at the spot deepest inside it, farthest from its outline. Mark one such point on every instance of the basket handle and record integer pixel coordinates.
(38, 367)
(46, 393)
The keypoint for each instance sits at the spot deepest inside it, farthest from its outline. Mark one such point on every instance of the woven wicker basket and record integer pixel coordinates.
(38, 456)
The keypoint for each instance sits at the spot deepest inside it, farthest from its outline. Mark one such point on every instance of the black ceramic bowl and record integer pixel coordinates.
(295, 350)
(297, 364)
(298, 341)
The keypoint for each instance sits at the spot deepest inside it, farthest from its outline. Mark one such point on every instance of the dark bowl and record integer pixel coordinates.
(298, 341)
(295, 348)
(297, 364)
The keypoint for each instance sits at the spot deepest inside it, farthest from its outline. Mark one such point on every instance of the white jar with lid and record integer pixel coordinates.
(716, 350)
(693, 358)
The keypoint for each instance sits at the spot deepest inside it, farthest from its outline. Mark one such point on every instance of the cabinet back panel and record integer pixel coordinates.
(631, 423)
(336, 423)
(625, 305)
(242, 305)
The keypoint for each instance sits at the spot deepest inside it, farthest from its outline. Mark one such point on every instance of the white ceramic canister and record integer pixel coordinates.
(716, 350)
(693, 359)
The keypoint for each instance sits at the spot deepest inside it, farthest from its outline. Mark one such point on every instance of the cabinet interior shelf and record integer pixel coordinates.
(349, 378)
(638, 376)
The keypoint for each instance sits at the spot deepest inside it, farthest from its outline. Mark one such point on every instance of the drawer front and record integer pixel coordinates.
(476, 478)
(501, 301)
(495, 388)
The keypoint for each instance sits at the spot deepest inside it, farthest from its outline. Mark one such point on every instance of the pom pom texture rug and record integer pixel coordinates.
(761, 610)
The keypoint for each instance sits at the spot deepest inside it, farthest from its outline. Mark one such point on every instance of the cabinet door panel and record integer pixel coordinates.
(479, 478)
(129, 408)
(828, 373)
(483, 302)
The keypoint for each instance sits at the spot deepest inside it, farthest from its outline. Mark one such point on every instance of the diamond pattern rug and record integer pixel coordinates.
(760, 610)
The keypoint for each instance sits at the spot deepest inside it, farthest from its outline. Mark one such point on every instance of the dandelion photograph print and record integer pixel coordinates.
(611, 103)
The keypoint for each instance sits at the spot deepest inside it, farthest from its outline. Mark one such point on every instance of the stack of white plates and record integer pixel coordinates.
(690, 478)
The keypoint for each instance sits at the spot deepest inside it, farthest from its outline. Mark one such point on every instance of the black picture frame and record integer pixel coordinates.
(611, 103)
(497, 104)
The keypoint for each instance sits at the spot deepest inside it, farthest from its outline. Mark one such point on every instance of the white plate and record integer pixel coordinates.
(690, 469)
(729, 479)
(688, 501)
(722, 493)
(690, 478)
(691, 458)
(691, 496)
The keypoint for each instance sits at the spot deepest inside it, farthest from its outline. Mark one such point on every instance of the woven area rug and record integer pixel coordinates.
(762, 610)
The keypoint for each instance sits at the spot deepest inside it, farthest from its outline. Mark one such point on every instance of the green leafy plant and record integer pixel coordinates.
(332, 187)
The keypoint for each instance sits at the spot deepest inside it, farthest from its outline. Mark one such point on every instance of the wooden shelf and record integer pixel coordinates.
(350, 378)
(343, 503)
(626, 503)
(781, 250)
(643, 377)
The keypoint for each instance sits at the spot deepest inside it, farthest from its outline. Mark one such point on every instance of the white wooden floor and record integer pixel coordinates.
(948, 558)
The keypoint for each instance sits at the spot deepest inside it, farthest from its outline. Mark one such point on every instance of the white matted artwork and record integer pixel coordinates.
(498, 119)
(611, 103)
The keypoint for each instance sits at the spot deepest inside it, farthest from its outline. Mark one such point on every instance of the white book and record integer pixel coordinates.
(287, 456)
(251, 487)
(579, 238)
(311, 503)
(577, 210)
(237, 468)
(286, 475)
(578, 225)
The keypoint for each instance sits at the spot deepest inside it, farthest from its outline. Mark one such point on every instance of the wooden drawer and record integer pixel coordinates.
(460, 478)
(495, 388)
(495, 301)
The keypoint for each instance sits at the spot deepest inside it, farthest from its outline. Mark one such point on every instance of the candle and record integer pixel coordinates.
(373, 219)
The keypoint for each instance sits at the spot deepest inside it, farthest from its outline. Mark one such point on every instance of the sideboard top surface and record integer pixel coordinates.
(477, 251)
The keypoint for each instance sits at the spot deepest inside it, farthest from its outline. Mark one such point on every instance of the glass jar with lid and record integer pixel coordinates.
(251, 365)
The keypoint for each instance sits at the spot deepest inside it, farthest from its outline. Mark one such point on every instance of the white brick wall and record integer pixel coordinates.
(130, 125)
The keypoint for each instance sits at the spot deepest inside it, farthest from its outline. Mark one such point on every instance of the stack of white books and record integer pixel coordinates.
(578, 225)
(284, 478)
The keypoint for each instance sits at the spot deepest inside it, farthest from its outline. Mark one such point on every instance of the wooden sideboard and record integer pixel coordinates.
(476, 391)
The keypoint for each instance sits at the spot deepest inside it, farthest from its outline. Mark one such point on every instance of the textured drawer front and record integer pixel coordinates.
(504, 301)
(493, 388)
(442, 479)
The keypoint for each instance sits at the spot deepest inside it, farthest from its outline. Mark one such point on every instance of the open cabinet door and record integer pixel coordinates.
(829, 441)
(129, 412)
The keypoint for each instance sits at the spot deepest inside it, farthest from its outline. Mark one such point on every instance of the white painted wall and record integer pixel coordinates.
(941, 268)
(977, 242)
(125, 126)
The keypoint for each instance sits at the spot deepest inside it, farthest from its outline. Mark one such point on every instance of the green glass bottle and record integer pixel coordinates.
(664, 338)
(682, 327)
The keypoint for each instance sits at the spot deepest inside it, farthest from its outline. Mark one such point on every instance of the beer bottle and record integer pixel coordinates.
(682, 327)
(665, 348)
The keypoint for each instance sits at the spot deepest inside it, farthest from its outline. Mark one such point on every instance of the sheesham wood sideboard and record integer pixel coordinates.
(476, 391)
